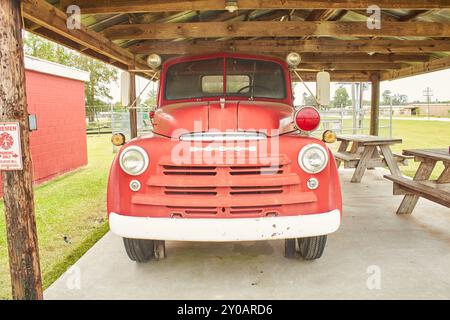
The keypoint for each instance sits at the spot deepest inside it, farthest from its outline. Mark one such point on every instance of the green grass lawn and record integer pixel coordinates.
(70, 215)
(421, 135)
(73, 207)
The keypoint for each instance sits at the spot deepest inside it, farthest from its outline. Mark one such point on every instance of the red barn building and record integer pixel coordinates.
(55, 94)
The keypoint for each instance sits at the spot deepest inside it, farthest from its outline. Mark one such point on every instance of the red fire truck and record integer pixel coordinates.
(229, 159)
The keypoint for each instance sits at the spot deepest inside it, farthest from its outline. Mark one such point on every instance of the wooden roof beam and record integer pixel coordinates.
(124, 6)
(431, 66)
(284, 46)
(330, 66)
(274, 29)
(336, 76)
(362, 58)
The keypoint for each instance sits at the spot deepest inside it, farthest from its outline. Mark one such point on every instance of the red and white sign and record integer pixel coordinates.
(10, 146)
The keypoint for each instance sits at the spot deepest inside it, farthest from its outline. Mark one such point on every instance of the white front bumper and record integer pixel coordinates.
(245, 229)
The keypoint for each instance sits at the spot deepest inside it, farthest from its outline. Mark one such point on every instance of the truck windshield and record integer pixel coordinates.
(245, 78)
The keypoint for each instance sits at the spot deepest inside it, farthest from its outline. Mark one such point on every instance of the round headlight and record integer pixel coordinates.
(134, 160)
(313, 158)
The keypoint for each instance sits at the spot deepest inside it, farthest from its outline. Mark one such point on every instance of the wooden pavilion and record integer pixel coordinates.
(403, 38)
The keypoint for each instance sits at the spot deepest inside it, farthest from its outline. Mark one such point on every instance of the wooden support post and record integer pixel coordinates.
(18, 185)
(375, 104)
(133, 104)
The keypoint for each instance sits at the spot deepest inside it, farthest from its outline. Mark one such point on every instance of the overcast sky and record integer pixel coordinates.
(413, 87)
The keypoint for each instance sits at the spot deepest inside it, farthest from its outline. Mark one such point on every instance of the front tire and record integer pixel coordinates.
(312, 248)
(139, 250)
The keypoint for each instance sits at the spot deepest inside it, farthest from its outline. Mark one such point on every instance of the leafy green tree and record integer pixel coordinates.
(308, 100)
(341, 98)
(151, 98)
(101, 74)
(386, 97)
(399, 99)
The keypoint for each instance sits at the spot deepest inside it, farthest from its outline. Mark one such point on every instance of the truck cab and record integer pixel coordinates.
(229, 159)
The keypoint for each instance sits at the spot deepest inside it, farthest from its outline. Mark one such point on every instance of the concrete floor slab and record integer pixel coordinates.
(411, 255)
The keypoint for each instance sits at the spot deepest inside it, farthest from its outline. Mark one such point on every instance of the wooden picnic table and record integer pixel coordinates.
(368, 151)
(422, 186)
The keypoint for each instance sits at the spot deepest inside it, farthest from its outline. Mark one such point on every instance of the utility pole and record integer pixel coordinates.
(18, 184)
(428, 93)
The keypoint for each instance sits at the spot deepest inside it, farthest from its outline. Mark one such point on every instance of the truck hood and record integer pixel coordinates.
(270, 118)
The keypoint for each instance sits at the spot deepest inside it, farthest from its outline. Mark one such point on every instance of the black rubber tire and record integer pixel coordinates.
(312, 248)
(139, 250)
(290, 251)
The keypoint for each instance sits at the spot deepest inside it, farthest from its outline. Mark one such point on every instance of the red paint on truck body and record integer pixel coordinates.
(241, 188)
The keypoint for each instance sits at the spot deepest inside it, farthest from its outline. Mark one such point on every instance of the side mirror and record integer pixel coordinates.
(323, 88)
(125, 88)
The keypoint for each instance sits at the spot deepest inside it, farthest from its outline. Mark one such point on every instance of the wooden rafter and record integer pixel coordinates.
(123, 6)
(415, 14)
(352, 66)
(337, 76)
(433, 65)
(361, 58)
(284, 46)
(274, 29)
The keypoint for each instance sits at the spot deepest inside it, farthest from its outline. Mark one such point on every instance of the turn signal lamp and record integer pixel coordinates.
(307, 119)
(118, 139)
(329, 136)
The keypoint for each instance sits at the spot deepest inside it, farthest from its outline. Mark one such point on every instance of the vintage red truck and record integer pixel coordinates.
(230, 159)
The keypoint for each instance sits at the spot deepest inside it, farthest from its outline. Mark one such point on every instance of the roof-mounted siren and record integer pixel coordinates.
(323, 88)
(231, 5)
(154, 61)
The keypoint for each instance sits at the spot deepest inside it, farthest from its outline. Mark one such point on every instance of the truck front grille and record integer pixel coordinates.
(212, 171)
(189, 171)
(223, 190)
(205, 211)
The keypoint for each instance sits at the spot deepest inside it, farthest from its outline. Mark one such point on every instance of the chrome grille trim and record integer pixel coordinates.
(223, 136)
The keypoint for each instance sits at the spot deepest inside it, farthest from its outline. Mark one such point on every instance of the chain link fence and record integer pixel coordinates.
(115, 119)
(348, 121)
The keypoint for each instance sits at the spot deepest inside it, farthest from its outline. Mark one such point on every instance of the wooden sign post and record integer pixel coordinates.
(18, 183)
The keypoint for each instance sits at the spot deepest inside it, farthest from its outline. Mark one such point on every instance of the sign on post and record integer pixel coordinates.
(10, 146)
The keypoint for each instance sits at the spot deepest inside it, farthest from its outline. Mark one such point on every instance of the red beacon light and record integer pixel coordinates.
(307, 119)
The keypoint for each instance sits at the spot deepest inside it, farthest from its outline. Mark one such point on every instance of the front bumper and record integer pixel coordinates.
(238, 229)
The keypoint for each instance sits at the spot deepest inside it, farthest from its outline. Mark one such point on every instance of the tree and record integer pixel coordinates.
(396, 99)
(101, 74)
(308, 100)
(387, 95)
(399, 99)
(341, 98)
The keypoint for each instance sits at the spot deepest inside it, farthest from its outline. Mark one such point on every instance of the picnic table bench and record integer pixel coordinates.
(366, 152)
(421, 186)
